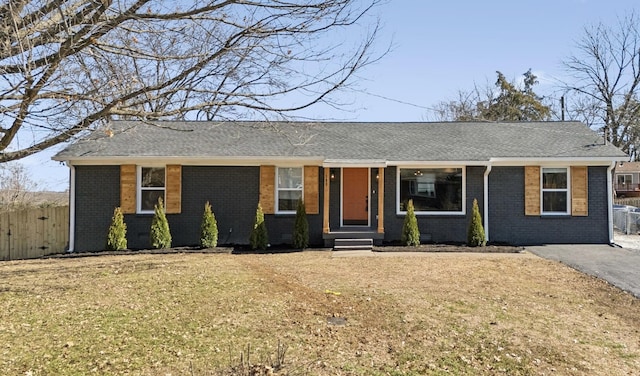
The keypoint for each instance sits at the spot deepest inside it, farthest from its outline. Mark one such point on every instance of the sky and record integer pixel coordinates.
(437, 49)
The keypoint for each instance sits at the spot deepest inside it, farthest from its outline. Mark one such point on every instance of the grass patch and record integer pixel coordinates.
(221, 314)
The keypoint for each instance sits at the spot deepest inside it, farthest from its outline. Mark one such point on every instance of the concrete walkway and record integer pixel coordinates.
(618, 266)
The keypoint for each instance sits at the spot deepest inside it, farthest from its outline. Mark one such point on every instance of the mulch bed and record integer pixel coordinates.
(288, 249)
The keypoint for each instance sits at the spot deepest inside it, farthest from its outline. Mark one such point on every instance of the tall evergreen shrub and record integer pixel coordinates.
(301, 227)
(160, 235)
(117, 236)
(475, 233)
(259, 238)
(410, 231)
(208, 228)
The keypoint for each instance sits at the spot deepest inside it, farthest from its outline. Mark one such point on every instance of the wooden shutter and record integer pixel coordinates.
(532, 190)
(173, 187)
(268, 189)
(311, 190)
(128, 189)
(579, 191)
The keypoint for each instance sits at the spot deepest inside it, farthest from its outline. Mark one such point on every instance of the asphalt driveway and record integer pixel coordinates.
(618, 266)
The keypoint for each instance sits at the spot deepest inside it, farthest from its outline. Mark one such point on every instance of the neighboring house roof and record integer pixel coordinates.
(628, 167)
(344, 141)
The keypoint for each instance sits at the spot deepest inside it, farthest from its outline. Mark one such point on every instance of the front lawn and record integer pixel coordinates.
(195, 314)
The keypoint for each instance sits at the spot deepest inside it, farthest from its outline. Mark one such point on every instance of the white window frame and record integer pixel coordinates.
(296, 189)
(464, 190)
(625, 184)
(140, 188)
(566, 190)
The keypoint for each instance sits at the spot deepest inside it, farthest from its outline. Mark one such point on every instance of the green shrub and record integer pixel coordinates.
(117, 237)
(301, 227)
(160, 235)
(259, 238)
(208, 228)
(475, 233)
(410, 231)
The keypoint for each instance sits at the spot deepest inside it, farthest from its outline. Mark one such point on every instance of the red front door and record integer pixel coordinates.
(355, 197)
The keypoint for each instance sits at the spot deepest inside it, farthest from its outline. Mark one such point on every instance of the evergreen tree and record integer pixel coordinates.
(209, 228)
(410, 231)
(117, 237)
(504, 101)
(475, 234)
(160, 235)
(259, 238)
(301, 227)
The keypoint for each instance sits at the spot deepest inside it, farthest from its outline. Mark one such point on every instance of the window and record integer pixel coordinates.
(433, 190)
(289, 188)
(624, 182)
(555, 191)
(151, 186)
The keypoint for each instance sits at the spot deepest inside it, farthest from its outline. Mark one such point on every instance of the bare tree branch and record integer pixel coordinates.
(70, 66)
(605, 79)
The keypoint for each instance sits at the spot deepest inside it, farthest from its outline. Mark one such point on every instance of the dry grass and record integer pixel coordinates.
(193, 314)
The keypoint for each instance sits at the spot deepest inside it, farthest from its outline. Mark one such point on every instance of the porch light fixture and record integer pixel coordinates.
(417, 173)
(333, 175)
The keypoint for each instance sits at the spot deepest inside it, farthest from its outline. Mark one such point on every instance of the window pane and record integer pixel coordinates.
(434, 189)
(554, 178)
(149, 198)
(290, 177)
(624, 179)
(288, 200)
(152, 177)
(554, 202)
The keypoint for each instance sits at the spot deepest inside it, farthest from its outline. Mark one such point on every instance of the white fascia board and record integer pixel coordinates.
(331, 163)
(410, 164)
(197, 161)
(574, 161)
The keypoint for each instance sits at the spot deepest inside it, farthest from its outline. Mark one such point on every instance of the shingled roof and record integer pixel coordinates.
(342, 141)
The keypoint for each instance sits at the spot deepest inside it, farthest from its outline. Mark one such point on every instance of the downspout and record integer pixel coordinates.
(610, 200)
(485, 202)
(72, 209)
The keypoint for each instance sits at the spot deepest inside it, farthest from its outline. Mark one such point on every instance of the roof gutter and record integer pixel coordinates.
(485, 201)
(610, 200)
(560, 161)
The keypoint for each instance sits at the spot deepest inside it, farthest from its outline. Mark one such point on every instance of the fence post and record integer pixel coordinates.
(627, 224)
(5, 237)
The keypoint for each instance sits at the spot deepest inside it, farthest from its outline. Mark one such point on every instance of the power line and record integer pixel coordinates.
(396, 100)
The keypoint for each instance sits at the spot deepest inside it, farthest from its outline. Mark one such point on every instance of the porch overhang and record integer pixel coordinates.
(334, 163)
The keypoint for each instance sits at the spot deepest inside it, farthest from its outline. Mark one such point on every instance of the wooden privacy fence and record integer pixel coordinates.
(33, 233)
(633, 201)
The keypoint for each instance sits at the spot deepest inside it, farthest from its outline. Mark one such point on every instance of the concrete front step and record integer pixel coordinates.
(353, 244)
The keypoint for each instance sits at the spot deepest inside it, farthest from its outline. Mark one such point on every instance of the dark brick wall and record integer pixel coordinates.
(232, 191)
(97, 194)
(508, 224)
(280, 226)
(373, 198)
(437, 228)
(334, 200)
(233, 194)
